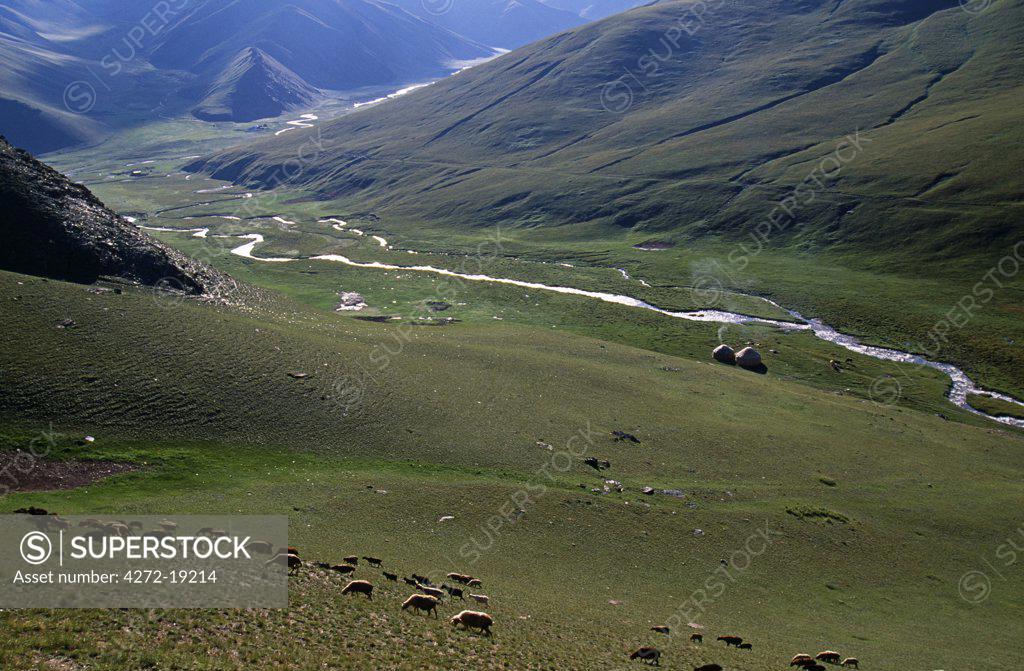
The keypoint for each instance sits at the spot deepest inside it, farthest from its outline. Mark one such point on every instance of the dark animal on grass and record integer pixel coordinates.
(410, 582)
(745, 646)
(829, 657)
(597, 464)
(708, 667)
(648, 654)
(660, 628)
(851, 661)
(423, 602)
(393, 577)
(813, 667)
(343, 569)
(454, 591)
(471, 619)
(421, 579)
(697, 638)
(359, 587)
(621, 436)
(801, 659)
(374, 561)
(351, 560)
(731, 640)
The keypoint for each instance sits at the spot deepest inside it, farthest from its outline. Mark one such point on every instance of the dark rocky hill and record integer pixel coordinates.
(54, 228)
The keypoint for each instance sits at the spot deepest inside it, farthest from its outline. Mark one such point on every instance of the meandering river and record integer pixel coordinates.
(961, 389)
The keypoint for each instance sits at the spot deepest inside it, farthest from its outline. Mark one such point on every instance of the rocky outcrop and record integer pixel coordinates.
(748, 357)
(724, 353)
(54, 228)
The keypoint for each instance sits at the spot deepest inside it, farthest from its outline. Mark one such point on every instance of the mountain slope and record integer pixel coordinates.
(497, 23)
(253, 87)
(57, 229)
(600, 126)
(332, 44)
(72, 74)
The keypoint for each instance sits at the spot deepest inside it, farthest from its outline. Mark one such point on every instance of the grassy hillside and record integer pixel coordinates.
(807, 151)
(627, 124)
(200, 396)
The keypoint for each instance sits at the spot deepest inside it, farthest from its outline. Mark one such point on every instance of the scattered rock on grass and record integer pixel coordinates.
(724, 353)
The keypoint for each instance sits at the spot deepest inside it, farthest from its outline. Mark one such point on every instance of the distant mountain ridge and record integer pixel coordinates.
(72, 73)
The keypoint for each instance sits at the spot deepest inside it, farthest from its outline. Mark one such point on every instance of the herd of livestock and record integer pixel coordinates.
(428, 596)
(426, 599)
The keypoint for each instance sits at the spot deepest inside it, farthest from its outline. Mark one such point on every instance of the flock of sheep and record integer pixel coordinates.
(427, 597)
(652, 655)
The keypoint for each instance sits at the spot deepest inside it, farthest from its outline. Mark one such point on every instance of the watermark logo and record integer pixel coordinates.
(79, 97)
(437, 7)
(974, 586)
(36, 548)
(975, 6)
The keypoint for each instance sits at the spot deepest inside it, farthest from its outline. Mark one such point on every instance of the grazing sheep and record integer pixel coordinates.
(455, 591)
(480, 598)
(292, 561)
(648, 654)
(261, 547)
(359, 587)
(829, 657)
(422, 579)
(432, 591)
(851, 661)
(423, 602)
(660, 628)
(374, 561)
(471, 619)
(343, 569)
(393, 577)
(351, 560)
(708, 667)
(731, 640)
(697, 638)
(474, 582)
(457, 577)
(745, 646)
(801, 659)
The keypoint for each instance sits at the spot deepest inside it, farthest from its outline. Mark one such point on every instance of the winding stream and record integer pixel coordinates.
(962, 386)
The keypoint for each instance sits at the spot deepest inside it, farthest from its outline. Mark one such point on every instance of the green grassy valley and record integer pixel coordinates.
(476, 327)
(451, 427)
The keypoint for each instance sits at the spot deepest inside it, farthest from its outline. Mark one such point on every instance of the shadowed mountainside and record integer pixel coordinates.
(54, 228)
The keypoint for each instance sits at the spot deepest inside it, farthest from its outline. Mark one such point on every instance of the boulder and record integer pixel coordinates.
(725, 354)
(748, 357)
